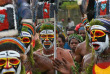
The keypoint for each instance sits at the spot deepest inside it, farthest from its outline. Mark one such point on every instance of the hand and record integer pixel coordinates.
(62, 66)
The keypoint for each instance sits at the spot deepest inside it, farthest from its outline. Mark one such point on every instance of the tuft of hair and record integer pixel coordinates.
(95, 22)
(76, 36)
(47, 26)
(62, 37)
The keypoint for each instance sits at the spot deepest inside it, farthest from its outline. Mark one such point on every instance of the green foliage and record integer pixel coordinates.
(24, 29)
(87, 42)
(95, 22)
(75, 69)
(77, 37)
(23, 70)
(89, 68)
(36, 71)
(69, 5)
(30, 58)
(47, 26)
(38, 45)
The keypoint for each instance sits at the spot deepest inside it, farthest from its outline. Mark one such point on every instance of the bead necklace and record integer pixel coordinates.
(47, 55)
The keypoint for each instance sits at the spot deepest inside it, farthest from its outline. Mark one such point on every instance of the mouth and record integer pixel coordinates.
(46, 43)
(96, 46)
(9, 73)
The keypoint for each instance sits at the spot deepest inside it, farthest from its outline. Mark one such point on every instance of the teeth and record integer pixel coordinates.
(96, 46)
(47, 43)
(9, 73)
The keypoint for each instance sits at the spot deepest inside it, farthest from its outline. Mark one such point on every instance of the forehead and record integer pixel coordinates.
(59, 39)
(70, 32)
(98, 27)
(25, 34)
(10, 53)
(47, 32)
(74, 40)
(82, 31)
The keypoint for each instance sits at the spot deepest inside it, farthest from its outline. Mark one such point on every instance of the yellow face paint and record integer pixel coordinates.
(95, 34)
(47, 36)
(25, 40)
(8, 62)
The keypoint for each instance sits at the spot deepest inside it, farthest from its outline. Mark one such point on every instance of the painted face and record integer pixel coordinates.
(10, 62)
(99, 38)
(47, 38)
(25, 38)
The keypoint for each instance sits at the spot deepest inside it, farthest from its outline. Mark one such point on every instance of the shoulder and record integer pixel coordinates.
(39, 51)
(63, 53)
(63, 50)
(81, 45)
(88, 59)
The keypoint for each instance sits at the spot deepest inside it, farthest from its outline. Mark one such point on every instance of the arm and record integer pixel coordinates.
(78, 56)
(42, 63)
(88, 62)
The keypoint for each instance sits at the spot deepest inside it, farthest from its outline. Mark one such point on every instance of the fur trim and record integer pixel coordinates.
(8, 33)
(27, 21)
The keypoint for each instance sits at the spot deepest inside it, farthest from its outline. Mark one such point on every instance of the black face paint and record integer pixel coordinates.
(98, 36)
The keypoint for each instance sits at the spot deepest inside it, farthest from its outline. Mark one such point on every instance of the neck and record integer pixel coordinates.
(73, 50)
(105, 55)
(50, 51)
(106, 52)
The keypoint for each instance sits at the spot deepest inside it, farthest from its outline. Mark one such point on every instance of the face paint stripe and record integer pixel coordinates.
(28, 25)
(97, 34)
(7, 66)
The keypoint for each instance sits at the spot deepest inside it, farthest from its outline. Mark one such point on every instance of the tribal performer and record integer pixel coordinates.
(12, 56)
(99, 61)
(47, 40)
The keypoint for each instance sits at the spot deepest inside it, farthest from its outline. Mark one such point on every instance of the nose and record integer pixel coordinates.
(46, 38)
(7, 66)
(93, 39)
(74, 44)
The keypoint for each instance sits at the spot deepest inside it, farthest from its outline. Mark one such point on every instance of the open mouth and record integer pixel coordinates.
(46, 43)
(96, 46)
(9, 73)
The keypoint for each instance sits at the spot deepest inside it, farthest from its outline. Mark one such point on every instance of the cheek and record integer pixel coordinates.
(51, 39)
(71, 45)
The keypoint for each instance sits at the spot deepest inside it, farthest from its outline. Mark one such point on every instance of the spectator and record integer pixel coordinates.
(73, 41)
(82, 32)
(70, 23)
(69, 32)
(61, 40)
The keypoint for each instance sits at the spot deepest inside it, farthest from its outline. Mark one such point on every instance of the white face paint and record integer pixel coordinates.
(98, 27)
(25, 38)
(47, 38)
(102, 45)
(10, 62)
(100, 40)
(25, 34)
